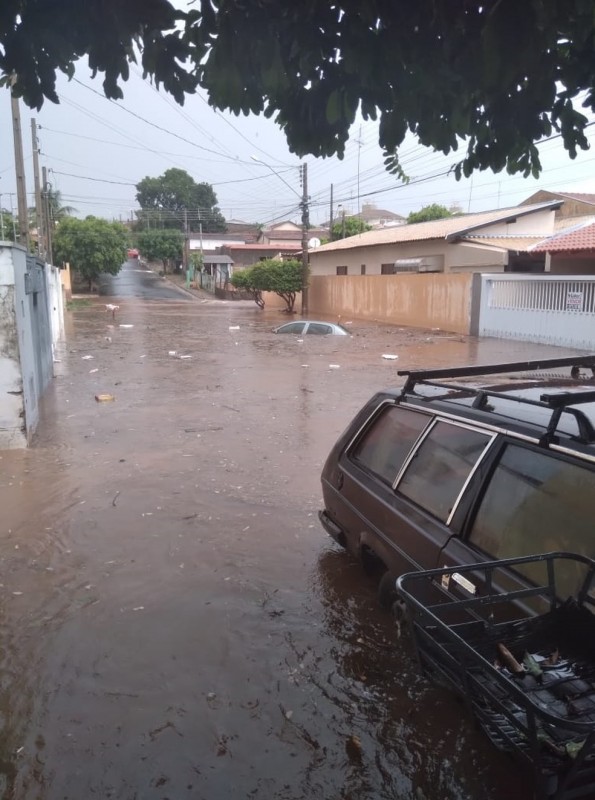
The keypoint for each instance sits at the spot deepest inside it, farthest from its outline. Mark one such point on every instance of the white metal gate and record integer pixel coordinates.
(550, 309)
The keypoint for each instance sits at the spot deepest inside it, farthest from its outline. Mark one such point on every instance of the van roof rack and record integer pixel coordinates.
(556, 402)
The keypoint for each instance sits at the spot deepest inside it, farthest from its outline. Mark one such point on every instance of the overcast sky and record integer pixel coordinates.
(96, 150)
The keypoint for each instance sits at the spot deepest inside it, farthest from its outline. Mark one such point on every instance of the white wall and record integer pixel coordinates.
(12, 422)
(31, 322)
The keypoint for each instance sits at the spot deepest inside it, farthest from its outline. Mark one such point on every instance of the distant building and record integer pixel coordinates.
(576, 204)
(379, 217)
(246, 255)
(289, 233)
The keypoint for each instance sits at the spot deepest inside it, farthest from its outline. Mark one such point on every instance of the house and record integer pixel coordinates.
(245, 255)
(488, 241)
(213, 242)
(570, 251)
(288, 232)
(378, 218)
(576, 204)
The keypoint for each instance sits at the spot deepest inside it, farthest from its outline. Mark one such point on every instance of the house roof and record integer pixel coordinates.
(371, 212)
(583, 197)
(449, 228)
(520, 243)
(271, 247)
(578, 239)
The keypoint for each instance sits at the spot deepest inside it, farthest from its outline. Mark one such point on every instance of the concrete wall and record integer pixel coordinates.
(569, 265)
(455, 257)
(427, 301)
(26, 340)
(12, 412)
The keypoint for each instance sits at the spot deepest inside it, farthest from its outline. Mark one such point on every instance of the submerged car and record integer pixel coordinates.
(445, 472)
(302, 327)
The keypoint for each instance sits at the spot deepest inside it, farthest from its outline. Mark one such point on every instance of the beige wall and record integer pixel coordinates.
(456, 257)
(66, 281)
(426, 301)
(567, 265)
(541, 222)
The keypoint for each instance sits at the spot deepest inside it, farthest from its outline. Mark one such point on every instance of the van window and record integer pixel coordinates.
(536, 503)
(387, 442)
(440, 467)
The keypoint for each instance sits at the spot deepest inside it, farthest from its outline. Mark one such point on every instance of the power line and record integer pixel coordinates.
(154, 124)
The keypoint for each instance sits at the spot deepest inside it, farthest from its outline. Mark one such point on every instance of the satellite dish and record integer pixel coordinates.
(314, 242)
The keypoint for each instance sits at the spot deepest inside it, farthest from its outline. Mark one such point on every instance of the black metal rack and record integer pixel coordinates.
(547, 722)
(557, 402)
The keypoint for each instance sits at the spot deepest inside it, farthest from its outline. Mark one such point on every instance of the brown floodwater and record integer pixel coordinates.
(174, 621)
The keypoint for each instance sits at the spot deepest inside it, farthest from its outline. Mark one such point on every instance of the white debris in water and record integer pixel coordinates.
(86, 358)
(334, 366)
(234, 327)
(127, 326)
(389, 357)
(91, 371)
(139, 608)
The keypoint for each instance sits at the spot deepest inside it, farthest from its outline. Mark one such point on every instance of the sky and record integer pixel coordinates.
(96, 150)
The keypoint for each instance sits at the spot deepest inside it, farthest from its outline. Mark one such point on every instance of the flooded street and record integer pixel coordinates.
(175, 622)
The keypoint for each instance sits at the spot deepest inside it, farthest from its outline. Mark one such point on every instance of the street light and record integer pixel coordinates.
(305, 222)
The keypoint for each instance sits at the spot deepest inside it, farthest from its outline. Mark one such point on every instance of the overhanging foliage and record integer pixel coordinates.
(498, 75)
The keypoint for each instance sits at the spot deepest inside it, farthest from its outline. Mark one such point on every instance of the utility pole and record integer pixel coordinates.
(305, 226)
(20, 172)
(49, 223)
(1, 221)
(41, 248)
(330, 225)
(186, 241)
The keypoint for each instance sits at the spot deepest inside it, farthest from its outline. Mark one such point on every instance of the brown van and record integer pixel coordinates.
(453, 470)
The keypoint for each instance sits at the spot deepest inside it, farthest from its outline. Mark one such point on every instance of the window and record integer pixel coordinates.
(536, 503)
(387, 269)
(363, 269)
(387, 443)
(318, 327)
(341, 270)
(293, 327)
(440, 467)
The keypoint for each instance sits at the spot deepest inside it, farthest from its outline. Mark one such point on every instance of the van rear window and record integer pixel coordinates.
(386, 444)
(536, 503)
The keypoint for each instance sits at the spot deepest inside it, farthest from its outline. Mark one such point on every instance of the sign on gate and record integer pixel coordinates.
(574, 301)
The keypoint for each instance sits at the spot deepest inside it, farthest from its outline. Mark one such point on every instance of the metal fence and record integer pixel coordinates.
(549, 309)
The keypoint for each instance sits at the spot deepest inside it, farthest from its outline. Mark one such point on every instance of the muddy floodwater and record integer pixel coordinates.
(174, 621)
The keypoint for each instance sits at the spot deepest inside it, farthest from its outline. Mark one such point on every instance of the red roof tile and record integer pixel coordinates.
(578, 240)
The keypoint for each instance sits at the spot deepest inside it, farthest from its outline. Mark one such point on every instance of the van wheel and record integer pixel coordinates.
(387, 591)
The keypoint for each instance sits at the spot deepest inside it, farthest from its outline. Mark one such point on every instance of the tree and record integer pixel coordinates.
(161, 245)
(8, 226)
(284, 278)
(243, 279)
(497, 76)
(92, 246)
(58, 211)
(174, 197)
(428, 213)
(350, 226)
